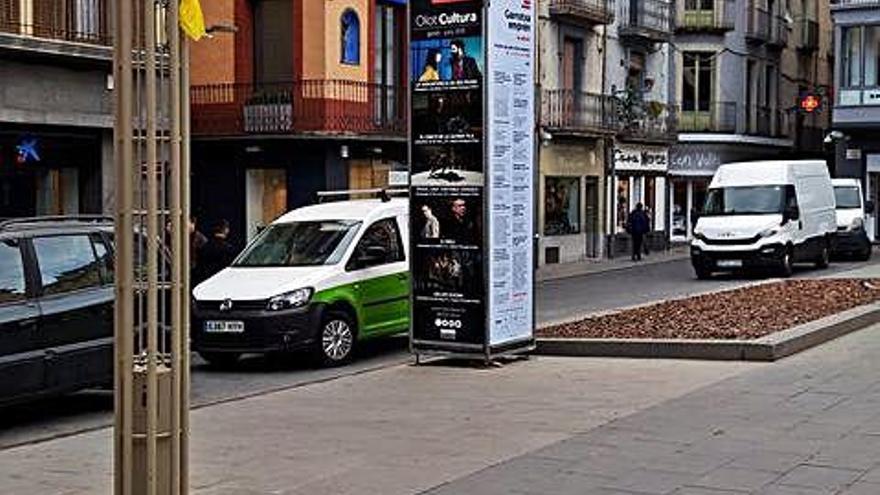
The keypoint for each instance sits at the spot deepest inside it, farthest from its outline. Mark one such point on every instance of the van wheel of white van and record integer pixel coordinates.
(336, 342)
(703, 273)
(824, 256)
(785, 264)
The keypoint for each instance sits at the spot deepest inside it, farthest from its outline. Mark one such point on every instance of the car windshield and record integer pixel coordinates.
(847, 197)
(299, 244)
(751, 200)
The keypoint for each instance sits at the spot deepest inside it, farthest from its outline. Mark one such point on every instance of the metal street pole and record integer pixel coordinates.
(152, 250)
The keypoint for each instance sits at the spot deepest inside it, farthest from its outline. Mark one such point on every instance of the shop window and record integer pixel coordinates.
(679, 209)
(350, 30)
(562, 206)
(622, 203)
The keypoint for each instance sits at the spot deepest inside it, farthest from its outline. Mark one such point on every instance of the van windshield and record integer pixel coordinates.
(299, 244)
(847, 197)
(751, 200)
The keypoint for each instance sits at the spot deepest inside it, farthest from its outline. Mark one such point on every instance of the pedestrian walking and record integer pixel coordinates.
(637, 226)
(197, 242)
(217, 253)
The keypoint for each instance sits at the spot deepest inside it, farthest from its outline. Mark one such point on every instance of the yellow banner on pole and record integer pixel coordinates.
(191, 19)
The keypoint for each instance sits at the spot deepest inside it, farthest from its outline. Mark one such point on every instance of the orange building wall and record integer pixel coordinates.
(313, 50)
(332, 37)
(213, 59)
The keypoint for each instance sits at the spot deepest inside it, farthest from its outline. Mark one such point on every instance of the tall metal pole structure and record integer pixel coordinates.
(152, 250)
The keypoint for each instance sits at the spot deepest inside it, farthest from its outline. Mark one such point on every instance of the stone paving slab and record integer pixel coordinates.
(806, 425)
(401, 430)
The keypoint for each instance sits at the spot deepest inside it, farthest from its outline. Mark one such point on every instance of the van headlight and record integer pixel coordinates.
(700, 236)
(768, 233)
(292, 299)
(857, 224)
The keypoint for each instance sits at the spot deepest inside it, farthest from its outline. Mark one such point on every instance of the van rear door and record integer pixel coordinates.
(21, 347)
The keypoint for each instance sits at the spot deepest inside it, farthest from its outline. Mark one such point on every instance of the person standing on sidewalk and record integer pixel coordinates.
(217, 253)
(637, 225)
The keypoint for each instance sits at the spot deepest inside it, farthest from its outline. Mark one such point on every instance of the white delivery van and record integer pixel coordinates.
(765, 214)
(852, 238)
(321, 278)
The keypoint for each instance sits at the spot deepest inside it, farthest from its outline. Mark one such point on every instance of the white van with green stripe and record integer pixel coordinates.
(321, 278)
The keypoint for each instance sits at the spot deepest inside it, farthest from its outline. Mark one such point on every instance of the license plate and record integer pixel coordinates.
(730, 263)
(224, 326)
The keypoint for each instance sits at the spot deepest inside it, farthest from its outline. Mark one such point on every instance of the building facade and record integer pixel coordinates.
(639, 59)
(742, 67)
(576, 124)
(857, 79)
(305, 96)
(56, 113)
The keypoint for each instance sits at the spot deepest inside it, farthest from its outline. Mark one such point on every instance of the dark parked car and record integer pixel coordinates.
(56, 305)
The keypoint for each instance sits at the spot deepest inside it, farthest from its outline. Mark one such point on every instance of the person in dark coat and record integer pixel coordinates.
(638, 225)
(217, 253)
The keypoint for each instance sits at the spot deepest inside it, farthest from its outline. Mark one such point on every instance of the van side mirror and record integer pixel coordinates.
(791, 213)
(870, 207)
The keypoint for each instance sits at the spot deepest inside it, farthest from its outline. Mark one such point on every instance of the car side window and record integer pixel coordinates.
(105, 260)
(12, 281)
(383, 234)
(67, 263)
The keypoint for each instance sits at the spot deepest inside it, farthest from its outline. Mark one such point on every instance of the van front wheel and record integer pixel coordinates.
(785, 266)
(336, 341)
(824, 255)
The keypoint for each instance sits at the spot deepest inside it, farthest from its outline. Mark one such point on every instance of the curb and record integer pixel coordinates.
(611, 267)
(768, 348)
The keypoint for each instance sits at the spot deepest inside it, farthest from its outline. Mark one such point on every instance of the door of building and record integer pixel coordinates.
(266, 198)
(872, 219)
(591, 217)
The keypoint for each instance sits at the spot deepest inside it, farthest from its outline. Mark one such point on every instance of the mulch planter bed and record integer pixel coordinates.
(740, 314)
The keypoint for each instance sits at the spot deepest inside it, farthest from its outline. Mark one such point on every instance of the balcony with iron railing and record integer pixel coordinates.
(711, 116)
(583, 11)
(808, 34)
(778, 31)
(79, 21)
(694, 17)
(645, 20)
(648, 121)
(299, 107)
(728, 117)
(849, 4)
(757, 23)
(567, 111)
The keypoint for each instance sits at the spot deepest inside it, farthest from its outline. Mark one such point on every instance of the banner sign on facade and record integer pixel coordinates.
(471, 196)
(633, 158)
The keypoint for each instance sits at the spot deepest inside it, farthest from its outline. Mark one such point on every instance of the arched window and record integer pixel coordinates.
(350, 37)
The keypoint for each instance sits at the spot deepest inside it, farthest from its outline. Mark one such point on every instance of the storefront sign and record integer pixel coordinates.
(398, 178)
(640, 159)
(471, 175)
(27, 151)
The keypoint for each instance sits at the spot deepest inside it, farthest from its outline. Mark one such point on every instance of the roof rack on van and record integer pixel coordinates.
(381, 193)
(6, 224)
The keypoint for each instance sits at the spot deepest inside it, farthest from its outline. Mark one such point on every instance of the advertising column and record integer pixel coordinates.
(447, 180)
(511, 123)
(471, 175)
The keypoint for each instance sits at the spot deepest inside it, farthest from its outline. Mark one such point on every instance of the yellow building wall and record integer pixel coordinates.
(213, 59)
(333, 36)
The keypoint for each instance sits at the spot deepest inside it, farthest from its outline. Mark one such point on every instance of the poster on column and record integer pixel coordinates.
(447, 178)
(511, 123)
